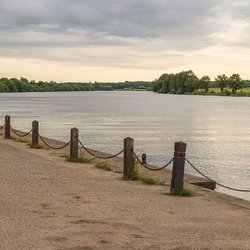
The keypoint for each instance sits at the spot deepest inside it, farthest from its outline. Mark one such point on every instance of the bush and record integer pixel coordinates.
(103, 165)
(148, 180)
(184, 192)
(37, 146)
(228, 92)
(80, 159)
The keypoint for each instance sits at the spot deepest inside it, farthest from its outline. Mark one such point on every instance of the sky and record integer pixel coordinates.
(119, 40)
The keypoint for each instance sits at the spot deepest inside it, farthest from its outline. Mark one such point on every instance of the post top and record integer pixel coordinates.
(180, 142)
(128, 138)
(180, 146)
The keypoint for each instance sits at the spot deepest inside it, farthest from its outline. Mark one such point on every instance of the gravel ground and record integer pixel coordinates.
(48, 203)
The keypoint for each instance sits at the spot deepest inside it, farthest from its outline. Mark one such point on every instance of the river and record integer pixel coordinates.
(216, 129)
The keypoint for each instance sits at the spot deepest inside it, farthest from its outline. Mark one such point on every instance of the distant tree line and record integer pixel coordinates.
(127, 85)
(187, 82)
(180, 83)
(24, 85)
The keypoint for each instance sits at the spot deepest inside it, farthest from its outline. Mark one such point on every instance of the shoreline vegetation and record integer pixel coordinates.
(187, 82)
(182, 83)
(24, 85)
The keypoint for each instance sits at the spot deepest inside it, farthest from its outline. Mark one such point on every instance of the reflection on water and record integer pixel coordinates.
(216, 129)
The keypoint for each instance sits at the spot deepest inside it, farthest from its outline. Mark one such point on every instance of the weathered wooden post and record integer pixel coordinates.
(144, 158)
(178, 167)
(7, 127)
(74, 143)
(128, 160)
(35, 132)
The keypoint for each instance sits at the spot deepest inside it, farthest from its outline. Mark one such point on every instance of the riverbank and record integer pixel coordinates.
(48, 203)
(227, 92)
(156, 122)
(244, 92)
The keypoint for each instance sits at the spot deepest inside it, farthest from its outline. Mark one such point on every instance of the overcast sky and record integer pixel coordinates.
(118, 40)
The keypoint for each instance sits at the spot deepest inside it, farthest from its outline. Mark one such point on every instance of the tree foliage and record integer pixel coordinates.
(204, 83)
(235, 83)
(187, 82)
(180, 83)
(24, 85)
(222, 81)
(127, 85)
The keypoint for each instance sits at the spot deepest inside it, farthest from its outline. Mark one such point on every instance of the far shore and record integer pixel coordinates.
(245, 92)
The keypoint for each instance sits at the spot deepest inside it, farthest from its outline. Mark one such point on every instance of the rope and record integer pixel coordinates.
(49, 146)
(219, 184)
(20, 135)
(100, 157)
(2, 126)
(149, 168)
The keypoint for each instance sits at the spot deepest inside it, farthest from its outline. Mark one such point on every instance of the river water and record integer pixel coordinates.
(216, 129)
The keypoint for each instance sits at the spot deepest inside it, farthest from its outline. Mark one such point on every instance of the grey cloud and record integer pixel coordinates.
(118, 18)
(236, 9)
(48, 25)
(236, 22)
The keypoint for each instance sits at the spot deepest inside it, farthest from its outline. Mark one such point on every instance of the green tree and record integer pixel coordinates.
(166, 83)
(235, 82)
(159, 83)
(204, 83)
(179, 83)
(222, 81)
(4, 85)
(13, 85)
(191, 83)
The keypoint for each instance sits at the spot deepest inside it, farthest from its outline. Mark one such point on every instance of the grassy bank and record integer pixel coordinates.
(227, 92)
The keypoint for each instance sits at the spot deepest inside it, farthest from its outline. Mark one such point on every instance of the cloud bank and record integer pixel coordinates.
(115, 33)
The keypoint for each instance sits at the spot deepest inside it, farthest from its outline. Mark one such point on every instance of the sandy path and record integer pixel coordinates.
(47, 203)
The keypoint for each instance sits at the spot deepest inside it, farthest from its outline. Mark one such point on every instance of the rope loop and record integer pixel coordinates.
(52, 147)
(20, 135)
(149, 168)
(217, 183)
(98, 156)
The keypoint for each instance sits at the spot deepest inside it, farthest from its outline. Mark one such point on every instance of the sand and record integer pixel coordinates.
(48, 203)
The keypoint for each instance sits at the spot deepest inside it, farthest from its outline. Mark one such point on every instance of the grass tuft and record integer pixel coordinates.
(148, 180)
(135, 176)
(104, 165)
(37, 146)
(80, 159)
(184, 193)
(132, 175)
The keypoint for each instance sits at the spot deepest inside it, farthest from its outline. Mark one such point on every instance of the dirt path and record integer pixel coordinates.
(48, 203)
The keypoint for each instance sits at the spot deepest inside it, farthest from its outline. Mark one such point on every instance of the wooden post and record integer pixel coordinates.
(144, 158)
(178, 166)
(7, 127)
(35, 132)
(128, 160)
(74, 143)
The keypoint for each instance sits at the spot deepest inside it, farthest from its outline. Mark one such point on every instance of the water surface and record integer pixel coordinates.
(216, 129)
